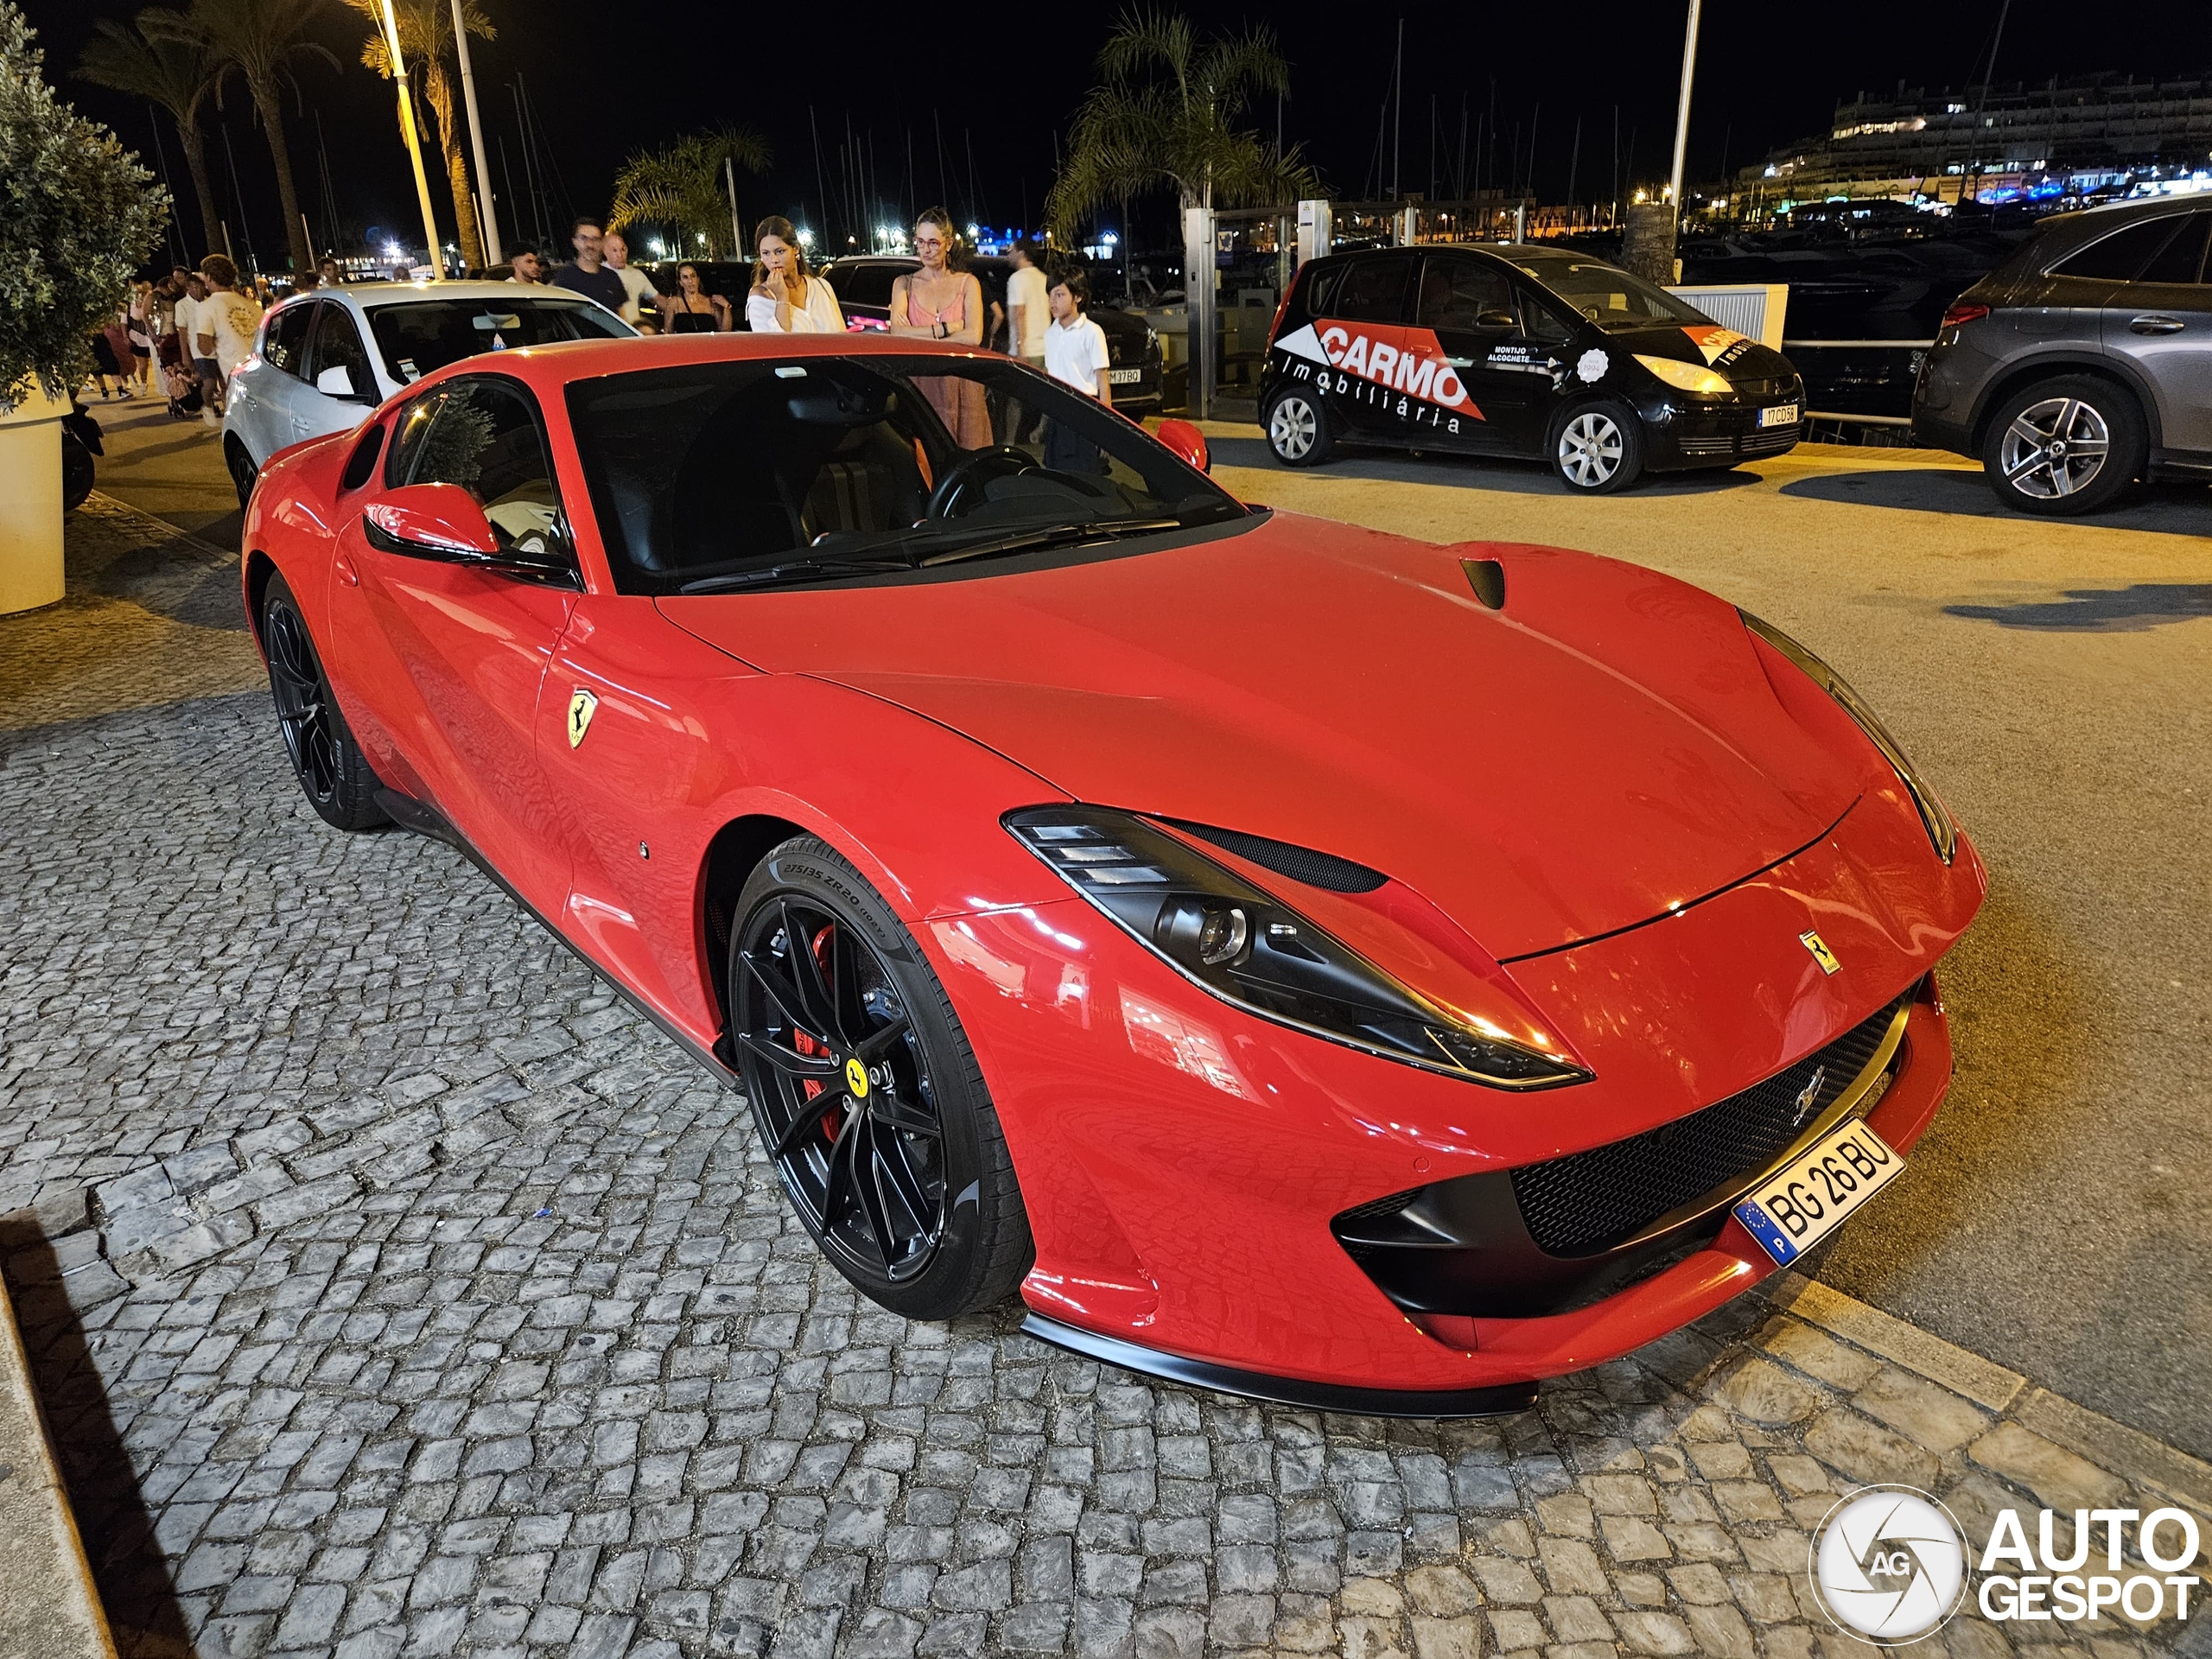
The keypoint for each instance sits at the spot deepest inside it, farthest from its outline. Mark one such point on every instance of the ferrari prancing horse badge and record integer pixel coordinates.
(582, 706)
(1819, 946)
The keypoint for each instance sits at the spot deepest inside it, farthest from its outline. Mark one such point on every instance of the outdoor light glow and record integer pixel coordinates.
(1109, 238)
(805, 237)
(973, 232)
(659, 248)
(392, 250)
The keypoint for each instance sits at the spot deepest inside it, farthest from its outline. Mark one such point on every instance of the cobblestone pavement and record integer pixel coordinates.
(392, 1289)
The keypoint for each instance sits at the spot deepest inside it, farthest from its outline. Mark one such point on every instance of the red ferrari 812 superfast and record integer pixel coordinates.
(1299, 961)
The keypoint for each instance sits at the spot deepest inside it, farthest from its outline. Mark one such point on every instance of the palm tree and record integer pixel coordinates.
(147, 59)
(262, 40)
(681, 183)
(1164, 113)
(426, 38)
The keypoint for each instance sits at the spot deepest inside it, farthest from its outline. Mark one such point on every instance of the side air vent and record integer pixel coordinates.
(1324, 870)
(1487, 578)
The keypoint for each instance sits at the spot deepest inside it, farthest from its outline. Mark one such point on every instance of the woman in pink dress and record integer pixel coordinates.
(941, 302)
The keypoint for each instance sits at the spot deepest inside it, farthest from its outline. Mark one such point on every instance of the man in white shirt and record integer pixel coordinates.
(615, 248)
(1029, 312)
(223, 326)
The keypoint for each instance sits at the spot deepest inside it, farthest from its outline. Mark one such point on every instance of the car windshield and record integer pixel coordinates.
(1608, 295)
(742, 473)
(421, 335)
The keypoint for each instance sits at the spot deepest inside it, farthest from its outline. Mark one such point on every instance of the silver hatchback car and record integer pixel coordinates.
(324, 359)
(2082, 362)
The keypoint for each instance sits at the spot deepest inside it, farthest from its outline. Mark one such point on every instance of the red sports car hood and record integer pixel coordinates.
(1602, 748)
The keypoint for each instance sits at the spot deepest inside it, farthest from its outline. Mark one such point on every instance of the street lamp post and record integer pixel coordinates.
(1683, 110)
(414, 139)
(486, 209)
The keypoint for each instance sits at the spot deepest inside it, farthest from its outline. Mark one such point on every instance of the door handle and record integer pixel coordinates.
(346, 573)
(2156, 325)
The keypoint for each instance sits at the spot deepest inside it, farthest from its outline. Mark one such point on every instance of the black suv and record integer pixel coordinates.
(2082, 362)
(1542, 354)
(862, 284)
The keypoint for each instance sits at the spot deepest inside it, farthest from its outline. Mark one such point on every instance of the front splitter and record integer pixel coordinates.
(1503, 1401)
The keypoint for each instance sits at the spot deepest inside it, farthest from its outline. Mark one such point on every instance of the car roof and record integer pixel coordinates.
(370, 295)
(557, 363)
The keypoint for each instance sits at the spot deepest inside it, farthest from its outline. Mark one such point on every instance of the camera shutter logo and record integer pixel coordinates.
(1889, 1564)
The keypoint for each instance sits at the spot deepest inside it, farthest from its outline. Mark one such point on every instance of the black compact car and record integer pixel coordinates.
(862, 284)
(2082, 362)
(1534, 352)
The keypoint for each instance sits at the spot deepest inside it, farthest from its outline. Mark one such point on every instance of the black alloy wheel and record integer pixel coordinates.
(867, 1097)
(333, 774)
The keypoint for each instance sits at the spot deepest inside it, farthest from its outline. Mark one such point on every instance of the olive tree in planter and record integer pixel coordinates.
(76, 214)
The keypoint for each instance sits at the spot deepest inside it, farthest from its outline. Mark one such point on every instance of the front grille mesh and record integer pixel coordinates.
(1590, 1201)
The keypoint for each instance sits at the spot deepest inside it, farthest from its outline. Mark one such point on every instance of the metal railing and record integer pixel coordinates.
(1863, 344)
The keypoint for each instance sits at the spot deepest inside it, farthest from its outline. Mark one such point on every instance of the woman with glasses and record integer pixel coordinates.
(942, 301)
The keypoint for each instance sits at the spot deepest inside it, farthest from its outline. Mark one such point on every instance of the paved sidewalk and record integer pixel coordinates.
(428, 1301)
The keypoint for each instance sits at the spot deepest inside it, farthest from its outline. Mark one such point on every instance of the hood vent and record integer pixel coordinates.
(1487, 578)
(1324, 870)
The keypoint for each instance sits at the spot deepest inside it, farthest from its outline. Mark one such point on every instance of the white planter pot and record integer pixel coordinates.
(30, 500)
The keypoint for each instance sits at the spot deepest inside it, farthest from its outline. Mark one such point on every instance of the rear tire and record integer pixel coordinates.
(244, 473)
(1297, 425)
(333, 774)
(2064, 447)
(894, 1162)
(1597, 448)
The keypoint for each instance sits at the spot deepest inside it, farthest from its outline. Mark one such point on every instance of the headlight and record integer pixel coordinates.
(1941, 830)
(1687, 377)
(1236, 942)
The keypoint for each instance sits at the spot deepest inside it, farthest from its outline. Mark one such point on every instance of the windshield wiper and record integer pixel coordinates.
(796, 570)
(893, 553)
(1044, 536)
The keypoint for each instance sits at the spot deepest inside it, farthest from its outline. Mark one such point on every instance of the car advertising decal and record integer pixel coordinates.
(1517, 357)
(1719, 346)
(1382, 364)
(1592, 366)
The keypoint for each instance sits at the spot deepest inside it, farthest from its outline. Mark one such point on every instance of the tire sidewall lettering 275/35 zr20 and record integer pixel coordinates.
(894, 1019)
(332, 772)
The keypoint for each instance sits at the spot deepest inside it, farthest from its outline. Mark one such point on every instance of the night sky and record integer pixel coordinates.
(607, 79)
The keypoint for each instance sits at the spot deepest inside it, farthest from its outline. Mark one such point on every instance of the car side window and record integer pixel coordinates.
(2182, 260)
(338, 345)
(1539, 320)
(285, 344)
(2121, 257)
(1374, 290)
(1463, 296)
(485, 436)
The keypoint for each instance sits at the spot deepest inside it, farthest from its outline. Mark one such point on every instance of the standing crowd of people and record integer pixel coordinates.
(184, 335)
(181, 336)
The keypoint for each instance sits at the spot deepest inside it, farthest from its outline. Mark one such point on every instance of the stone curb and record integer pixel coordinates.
(48, 1608)
(158, 530)
(2128, 1453)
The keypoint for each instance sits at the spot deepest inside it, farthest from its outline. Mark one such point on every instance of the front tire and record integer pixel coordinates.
(333, 774)
(2064, 447)
(1298, 429)
(867, 1098)
(1598, 449)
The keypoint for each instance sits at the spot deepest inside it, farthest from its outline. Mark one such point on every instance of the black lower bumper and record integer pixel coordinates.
(1717, 437)
(1502, 1402)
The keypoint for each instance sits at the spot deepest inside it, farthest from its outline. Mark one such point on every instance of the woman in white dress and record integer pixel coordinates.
(784, 300)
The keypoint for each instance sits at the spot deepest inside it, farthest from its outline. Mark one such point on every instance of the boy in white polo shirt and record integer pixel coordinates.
(1075, 356)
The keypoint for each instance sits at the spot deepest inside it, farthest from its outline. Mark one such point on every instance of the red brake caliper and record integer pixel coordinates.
(831, 1122)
